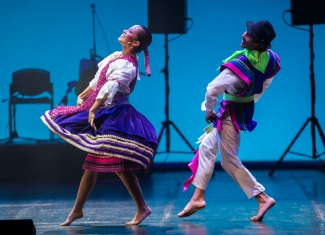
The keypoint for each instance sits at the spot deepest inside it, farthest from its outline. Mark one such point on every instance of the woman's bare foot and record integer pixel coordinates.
(264, 204)
(72, 217)
(139, 217)
(192, 207)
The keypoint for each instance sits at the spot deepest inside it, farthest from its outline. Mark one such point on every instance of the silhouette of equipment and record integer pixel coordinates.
(88, 67)
(18, 226)
(71, 85)
(168, 17)
(26, 88)
(307, 13)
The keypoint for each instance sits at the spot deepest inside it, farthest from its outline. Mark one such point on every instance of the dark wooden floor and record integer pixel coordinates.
(299, 209)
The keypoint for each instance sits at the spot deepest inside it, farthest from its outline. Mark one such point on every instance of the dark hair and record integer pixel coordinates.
(144, 37)
(264, 48)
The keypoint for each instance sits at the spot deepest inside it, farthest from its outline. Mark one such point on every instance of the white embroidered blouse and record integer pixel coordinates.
(119, 75)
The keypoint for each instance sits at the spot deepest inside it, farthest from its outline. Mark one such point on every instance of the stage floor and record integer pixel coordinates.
(299, 209)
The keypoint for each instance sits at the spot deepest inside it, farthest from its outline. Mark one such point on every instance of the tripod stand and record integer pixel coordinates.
(167, 123)
(12, 115)
(313, 120)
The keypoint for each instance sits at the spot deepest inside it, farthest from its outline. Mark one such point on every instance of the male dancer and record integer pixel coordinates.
(243, 79)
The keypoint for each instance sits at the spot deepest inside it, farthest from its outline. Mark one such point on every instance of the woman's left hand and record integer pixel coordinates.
(91, 119)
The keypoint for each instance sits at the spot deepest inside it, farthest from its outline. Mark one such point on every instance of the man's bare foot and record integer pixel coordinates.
(139, 217)
(72, 217)
(191, 208)
(264, 204)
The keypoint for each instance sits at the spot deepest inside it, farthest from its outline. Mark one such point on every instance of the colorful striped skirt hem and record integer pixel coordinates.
(103, 163)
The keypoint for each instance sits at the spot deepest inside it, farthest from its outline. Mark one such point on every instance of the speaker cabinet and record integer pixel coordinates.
(305, 12)
(17, 227)
(167, 16)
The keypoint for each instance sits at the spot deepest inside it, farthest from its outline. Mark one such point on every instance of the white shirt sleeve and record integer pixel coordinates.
(119, 75)
(110, 88)
(266, 85)
(101, 65)
(215, 88)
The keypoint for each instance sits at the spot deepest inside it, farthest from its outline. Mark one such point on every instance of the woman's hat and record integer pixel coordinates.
(262, 30)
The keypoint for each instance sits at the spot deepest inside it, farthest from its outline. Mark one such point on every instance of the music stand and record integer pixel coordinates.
(313, 119)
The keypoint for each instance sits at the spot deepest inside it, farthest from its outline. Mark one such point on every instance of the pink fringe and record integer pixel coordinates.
(234, 119)
(146, 62)
(219, 125)
(193, 165)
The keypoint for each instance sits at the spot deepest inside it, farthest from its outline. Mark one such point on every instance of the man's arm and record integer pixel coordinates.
(266, 85)
(214, 89)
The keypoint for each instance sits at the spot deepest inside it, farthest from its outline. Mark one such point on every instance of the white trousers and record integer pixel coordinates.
(227, 142)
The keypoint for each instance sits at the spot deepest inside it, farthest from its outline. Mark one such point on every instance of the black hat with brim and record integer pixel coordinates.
(262, 30)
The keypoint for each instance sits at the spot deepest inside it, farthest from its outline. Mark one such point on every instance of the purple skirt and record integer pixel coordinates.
(122, 132)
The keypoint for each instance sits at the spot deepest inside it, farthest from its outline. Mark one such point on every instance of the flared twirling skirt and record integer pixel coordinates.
(124, 138)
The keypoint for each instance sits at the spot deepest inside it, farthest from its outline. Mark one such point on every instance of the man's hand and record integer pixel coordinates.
(211, 118)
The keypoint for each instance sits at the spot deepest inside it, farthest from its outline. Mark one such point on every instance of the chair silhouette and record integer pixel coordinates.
(26, 88)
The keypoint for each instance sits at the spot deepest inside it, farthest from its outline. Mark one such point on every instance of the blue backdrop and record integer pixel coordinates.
(56, 35)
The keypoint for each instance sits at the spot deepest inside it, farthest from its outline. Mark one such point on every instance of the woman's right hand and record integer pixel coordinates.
(80, 101)
(91, 119)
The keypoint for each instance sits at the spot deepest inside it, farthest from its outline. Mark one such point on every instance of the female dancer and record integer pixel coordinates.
(116, 136)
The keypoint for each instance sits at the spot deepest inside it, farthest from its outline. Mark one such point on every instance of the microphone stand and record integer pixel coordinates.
(91, 65)
(64, 100)
(12, 115)
(14, 96)
(93, 51)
